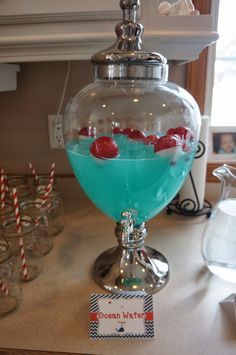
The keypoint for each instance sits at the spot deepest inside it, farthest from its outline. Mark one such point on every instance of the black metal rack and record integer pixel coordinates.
(190, 207)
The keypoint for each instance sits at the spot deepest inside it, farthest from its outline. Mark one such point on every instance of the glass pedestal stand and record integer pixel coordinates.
(131, 266)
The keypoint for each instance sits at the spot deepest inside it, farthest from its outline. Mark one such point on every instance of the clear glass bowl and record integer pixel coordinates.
(131, 143)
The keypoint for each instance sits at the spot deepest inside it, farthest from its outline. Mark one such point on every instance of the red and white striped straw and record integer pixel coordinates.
(49, 186)
(18, 226)
(6, 183)
(23, 261)
(33, 171)
(47, 192)
(16, 210)
(2, 191)
(52, 173)
(3, 288)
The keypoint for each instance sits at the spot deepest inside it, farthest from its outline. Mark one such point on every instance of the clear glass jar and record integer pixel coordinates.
(42, 221)
(55, 209)
(28, 236)
(23, 193)
(16, 180)
(131, 135)
(6, 214)
(120, 146)
(10, 290)
(43, 181)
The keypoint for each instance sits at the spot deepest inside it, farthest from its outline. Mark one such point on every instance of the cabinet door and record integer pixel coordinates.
(23, 11)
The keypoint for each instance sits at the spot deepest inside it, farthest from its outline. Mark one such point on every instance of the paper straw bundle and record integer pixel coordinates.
(18, 226)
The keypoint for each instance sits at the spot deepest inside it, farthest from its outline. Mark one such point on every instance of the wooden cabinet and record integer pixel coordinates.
(39, 30)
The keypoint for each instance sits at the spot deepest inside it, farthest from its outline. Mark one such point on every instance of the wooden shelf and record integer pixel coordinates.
(75, 32)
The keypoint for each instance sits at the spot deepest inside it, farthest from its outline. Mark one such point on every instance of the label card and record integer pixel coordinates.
(118, 316)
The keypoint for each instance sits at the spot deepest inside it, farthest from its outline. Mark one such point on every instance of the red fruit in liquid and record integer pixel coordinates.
(87, 131)
(104, 148)
(136, 135)
(117, 130)
(166, 142)
(182, 132)
(127, 131)
(151, 140)
(186, 148)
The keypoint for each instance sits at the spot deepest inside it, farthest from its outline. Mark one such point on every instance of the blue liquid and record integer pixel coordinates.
(137, 180)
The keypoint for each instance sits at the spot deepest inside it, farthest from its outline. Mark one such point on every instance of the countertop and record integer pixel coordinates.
(54, 312)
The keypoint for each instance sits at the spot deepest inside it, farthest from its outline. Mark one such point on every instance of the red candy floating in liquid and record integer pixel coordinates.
(87, 132)
(186, 148)
(151, 140)
(117, 130)
(183, 132)
(104, 148)
(136, 135)
(127, 131)
(167, 142)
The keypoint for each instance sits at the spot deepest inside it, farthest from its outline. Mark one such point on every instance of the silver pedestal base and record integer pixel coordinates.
(119, 270)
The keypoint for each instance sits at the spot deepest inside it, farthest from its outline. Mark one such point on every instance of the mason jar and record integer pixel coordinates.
(16, 180)
(42, 182)
(55, 209)
(10, 290)
(25, 247)
(41, 220)
(23, 193)
(5, 214)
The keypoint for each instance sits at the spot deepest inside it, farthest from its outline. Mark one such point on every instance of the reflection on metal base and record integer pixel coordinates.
(131, 267)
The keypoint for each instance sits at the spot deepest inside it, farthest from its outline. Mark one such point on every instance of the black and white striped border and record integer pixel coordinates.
(148, 307)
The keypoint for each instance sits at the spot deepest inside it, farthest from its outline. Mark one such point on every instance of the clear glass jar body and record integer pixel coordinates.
(42, 221)
(23, 193)
(28, 237)
(54, 207)
(16, 180)
(10, 290)
(7, 213)
(42, 182)
(140, 176)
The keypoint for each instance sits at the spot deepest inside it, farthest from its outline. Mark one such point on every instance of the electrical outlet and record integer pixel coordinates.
(56, 140)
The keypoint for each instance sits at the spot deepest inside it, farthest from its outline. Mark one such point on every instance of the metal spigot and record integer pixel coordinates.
(128, 227)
